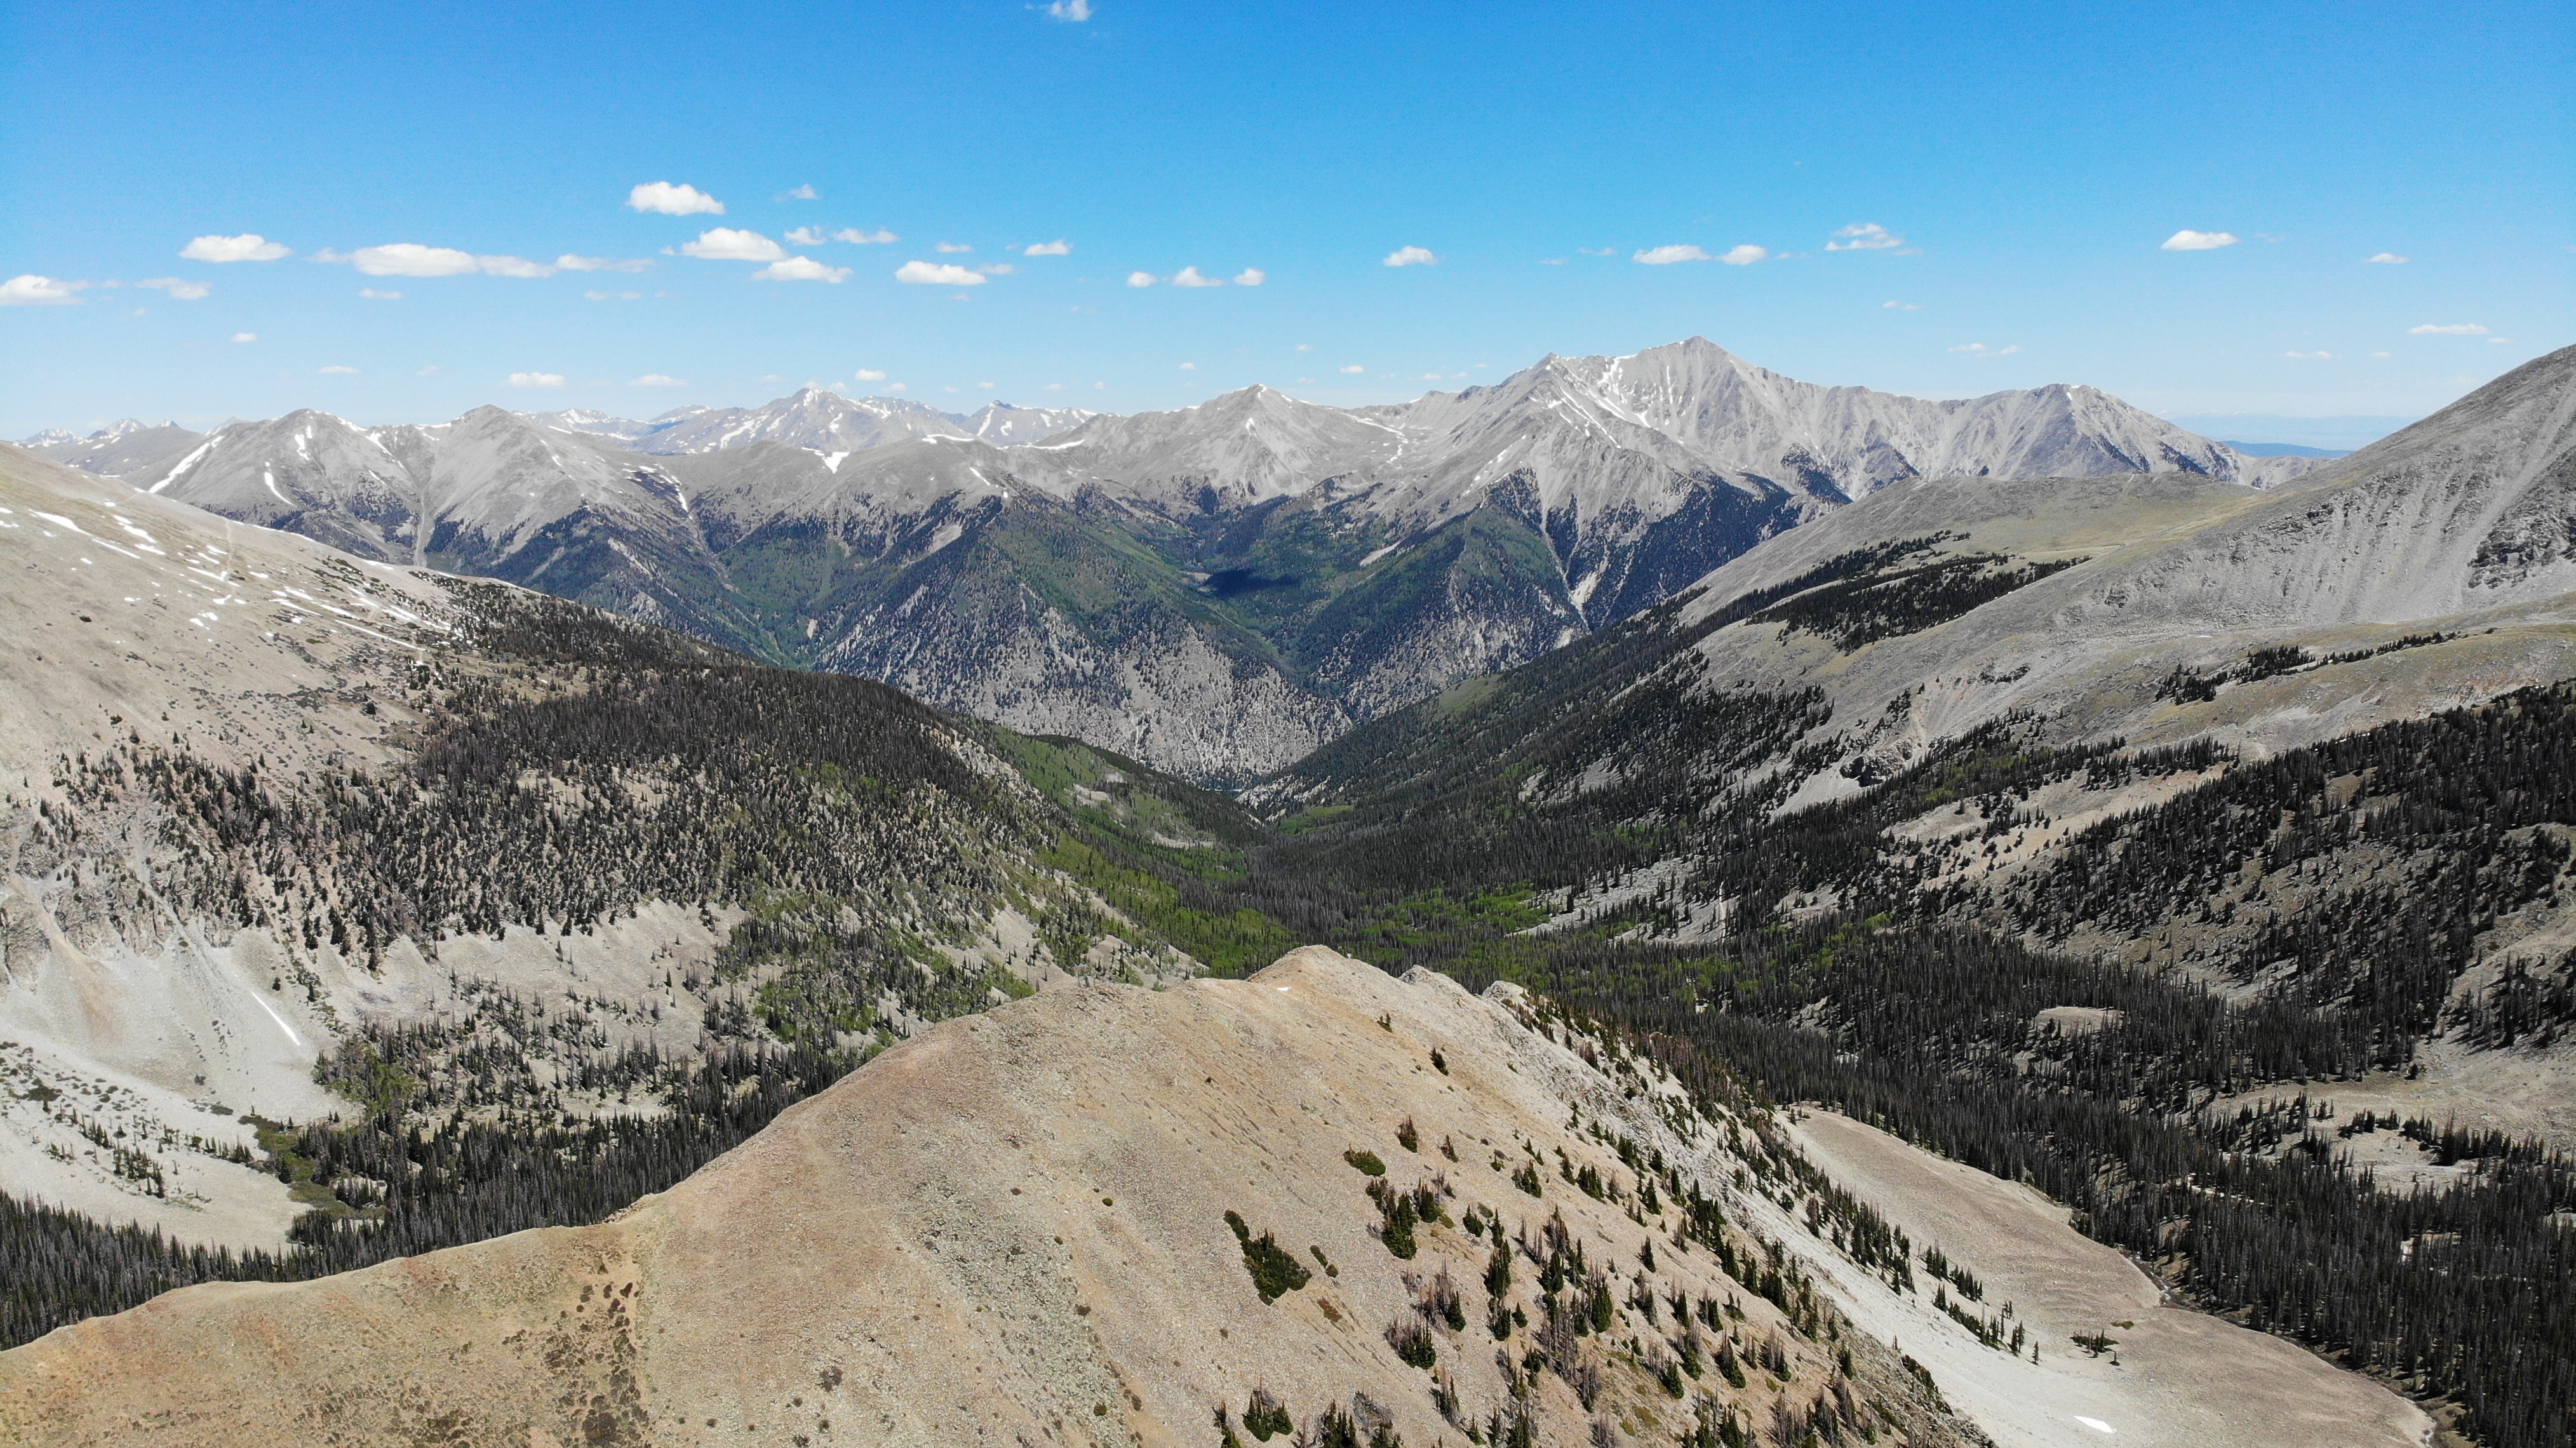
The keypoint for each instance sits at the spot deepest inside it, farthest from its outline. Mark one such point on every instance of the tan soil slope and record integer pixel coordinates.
(1009, 1230)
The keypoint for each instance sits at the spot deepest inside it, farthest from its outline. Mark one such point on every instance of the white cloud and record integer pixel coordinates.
(997, 269)
(2388, 258)
(897, 387)
(613, 296)
(672, 200)
(513, 266)
(1598, 250)
(1430, 376)
(30, 290)
(1189, 367)
(2449, 329)
(1901, 306)
(1141, 279)
(1100, 387)
(432, 370)
(1305, 346)
(1745, 255)
(1354, 370)
(1667, 255)
(179, 288)
(724, 243)
(2311, 356)
(952, 248)
(2189, 240)
(2500, 341)
(1054, 387)
(2383, 356)
(1864, 236)
(805, 192)
(407, 259)
(863, 238)
(245, 336)
(1048, 248)
(339, 371)
(871, 374)
(984, 386)
(1980, 349)
(1411, 256)
(1551, 261)
(801, 269)
(656, 379)
(1251, 276)
(571, 263)
(937, 274)
(371, 294)
(806, 236)
(1071, 11)
(536, 379)
(249, 246)
(1188, 276)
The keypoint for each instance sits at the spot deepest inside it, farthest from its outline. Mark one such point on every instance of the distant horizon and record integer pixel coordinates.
(2343, 432)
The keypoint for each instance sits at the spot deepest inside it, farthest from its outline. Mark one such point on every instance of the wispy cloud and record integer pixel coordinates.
(724, 243)
(1864, 236)
(536, 379)
(2449, 329)
(656, 379)
(30, 290)
(1251, 276)
(1667, 255)
(805, 236)
(180, 289)
(871, 374)
(670, 200)
(1901, 306)
(249, 246)
(2386, 258)
(997, 269)
(1305, 346)
(245, 336)
(1071, 11)
(1188, 276)
(1745, 255)
(411, 259)
(2311, 356)
(938, 274)
(373, 295)
(952, 248)
(1598, 250)
(1189, 367)
(1980, 349)
(1048, 248)
(613, 296)
(1142, 279)
(1411, 256)
(1551, 261)
(801, 269)
(2189, 240)
(339, 371)
(571, 263)
(1354, 370)
(802, 193)
(864, 238)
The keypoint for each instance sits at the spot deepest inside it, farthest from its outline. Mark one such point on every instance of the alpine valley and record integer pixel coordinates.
(1706, 910)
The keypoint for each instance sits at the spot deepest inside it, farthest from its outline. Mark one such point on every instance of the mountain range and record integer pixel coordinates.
(505, 1020)
(1215, 590)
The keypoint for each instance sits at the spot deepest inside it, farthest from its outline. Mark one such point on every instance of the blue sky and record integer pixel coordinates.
(2015, 173)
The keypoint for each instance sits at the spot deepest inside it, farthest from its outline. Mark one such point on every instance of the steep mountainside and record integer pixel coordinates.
(1217, 588)
(282, 825)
